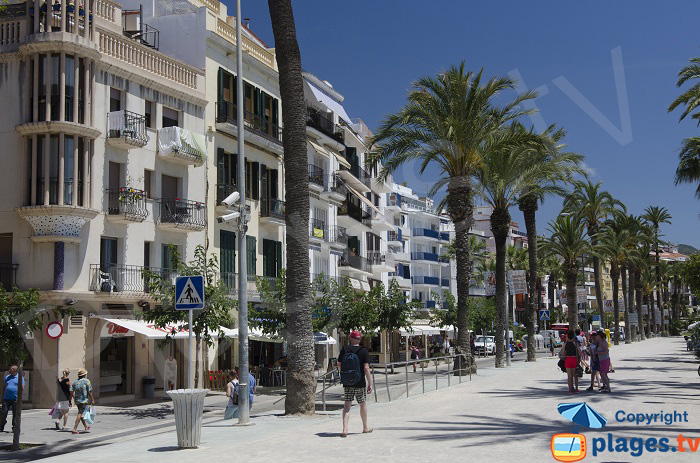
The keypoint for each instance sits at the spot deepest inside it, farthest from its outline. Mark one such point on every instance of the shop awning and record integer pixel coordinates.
(319, 149)
(363, 199)
(323, 338)
(329, 102)
(254, 334)
(428, 330)
(416, 332)
(115, 327)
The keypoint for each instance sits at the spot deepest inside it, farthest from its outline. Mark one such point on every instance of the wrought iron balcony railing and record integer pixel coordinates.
(316, 175)
(182, 213)
(273, 208)
(226, 112)
(325, 125)
(127, 125)
(8, 275)
(126, 278)
(129, 202)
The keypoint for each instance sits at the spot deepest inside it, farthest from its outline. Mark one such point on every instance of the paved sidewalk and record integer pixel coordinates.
(502, 415)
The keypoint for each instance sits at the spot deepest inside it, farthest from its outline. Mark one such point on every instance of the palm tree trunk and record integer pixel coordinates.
(500, 224)
(528, 205)
(460, 210)
(615, 275)
(652, 313)
(598, 292)
(638, 294)
(623, 277)
(658, 282)
(301, 385)
(630, 298)
(572, 309)
(551, 288)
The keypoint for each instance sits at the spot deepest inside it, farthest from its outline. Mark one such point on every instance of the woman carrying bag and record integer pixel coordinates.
(231, 411)
(63, 402)
(572, 357)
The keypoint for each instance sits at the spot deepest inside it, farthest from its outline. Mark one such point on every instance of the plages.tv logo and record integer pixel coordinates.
(572, 446)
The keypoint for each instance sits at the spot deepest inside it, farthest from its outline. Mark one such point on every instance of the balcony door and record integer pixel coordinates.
(108, 253)
(354, 245)
(168, 187)
(113, 181)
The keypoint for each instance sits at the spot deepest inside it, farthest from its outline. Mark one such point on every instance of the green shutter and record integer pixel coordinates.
(275, 113)
(227, 244)
(251, 254)
(220, 85)
(278, 246)
(256, 180)
(268, 258)
(273, 184)
(247, 178)
(233, 163)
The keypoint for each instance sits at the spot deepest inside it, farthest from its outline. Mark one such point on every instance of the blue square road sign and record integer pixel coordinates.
(544, 314)
(189, 292)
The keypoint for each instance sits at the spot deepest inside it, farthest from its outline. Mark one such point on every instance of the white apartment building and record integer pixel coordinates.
(202, 34)
(106, 173)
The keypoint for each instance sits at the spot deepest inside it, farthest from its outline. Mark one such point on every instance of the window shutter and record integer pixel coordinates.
(275, 113)
(220, 166)
(221, 106)
(278, 245)
(256, 180)
(247, 178)
(263, 184)
(251, 258)
(257, 108)
(273, 184)
(266, 260)
(228, 251)
(406, 271)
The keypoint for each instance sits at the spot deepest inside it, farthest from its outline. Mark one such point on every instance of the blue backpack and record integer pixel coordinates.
(350, 368)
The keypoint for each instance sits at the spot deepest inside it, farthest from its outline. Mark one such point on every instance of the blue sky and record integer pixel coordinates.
(371, 51)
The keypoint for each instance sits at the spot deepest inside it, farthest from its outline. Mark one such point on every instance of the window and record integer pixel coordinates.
(227, 245)
(148, 183)
(226, 174)
(108, 253)
(5, 249)
(168, 257)
(70, 87)
(251, 255)
(115, 99)
(146, 253)
(170, 117)
(168, 187)
(272, 258)
(149, 113)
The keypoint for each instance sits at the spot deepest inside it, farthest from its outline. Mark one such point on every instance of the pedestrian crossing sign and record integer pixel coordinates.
(544, 315)
(189, 292)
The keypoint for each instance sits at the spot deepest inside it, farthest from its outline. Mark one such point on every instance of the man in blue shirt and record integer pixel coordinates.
(9, 398)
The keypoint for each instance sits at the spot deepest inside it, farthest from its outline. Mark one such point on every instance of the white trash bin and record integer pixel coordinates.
(189, 407)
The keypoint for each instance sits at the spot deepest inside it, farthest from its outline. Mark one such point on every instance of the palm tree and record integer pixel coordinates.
(301, 384)
(449, 122)
(551, 266)
(639, 262)
(612, 247)
(593, 206)
(655, 216)
(503, 176)
(621, 223)
(688, 170)
(567, 165)
(568, 242)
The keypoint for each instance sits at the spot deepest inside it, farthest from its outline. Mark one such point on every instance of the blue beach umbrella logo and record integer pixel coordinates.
(582, 415)
(571, 447)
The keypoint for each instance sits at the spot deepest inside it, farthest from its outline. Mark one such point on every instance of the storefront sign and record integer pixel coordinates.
(112, 330)
(517, 281)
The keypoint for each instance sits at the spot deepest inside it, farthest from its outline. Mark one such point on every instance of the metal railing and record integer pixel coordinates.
(432, 257)
(456, 364)
(426, 232)
(8, 275)
(445, 282)
(425, 280)
(128, 125)
(376, 257)
(324, 125)
(359, 173)
(125, 278)
(316, 175)
(354, 261)
(182, 213)
(356, 212)
(335, 184)
(129, 202)
(393, 235)
(318, 230)
(337, 234)
(226, 112)
(273, 208)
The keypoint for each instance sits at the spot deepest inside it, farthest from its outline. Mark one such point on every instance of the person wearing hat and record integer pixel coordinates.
(361, 387)
(81, 390)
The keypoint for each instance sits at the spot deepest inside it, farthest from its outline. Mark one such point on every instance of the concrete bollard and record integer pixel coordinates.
(189, 407)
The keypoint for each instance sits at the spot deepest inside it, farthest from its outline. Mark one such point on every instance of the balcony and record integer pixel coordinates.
(445, 282)
(394, 201)
(426, 233)
(272, 211)
(8, 275)
(426, 256)
(444, 236)
(318, 230)
(319, 121)
(394, 237)
(337, 236)
(352, 261)
(181, 215)
(182, 146)
(126, 205)
(353, 211)
(124, 278)
(334, 189)
(126, 130)
(381, 262)
(226, 113)
(426, 280)
(428, 304)
(382, 222)
(316, 178)
(356, 177)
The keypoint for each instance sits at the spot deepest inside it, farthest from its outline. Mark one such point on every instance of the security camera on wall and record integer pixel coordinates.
(231, 199)
(228, 217)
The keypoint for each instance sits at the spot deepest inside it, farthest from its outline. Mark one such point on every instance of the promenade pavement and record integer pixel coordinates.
(502, 414)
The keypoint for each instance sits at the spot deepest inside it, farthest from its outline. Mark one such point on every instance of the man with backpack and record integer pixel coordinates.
(353, 363)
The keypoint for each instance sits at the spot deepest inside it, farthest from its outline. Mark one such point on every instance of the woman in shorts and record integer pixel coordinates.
(572, 357)
(603, 351)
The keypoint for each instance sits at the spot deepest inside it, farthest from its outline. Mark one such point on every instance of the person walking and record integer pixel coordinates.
(81, 390)
(446, 345)
(415, 355)
(9, 398)
(551, 344)
(595, 363)
(571, 360)
(603, 350)
(63, 400)
(353, 363)
(232, 394)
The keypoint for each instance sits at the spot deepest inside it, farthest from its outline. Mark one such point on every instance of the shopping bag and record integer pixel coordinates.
(52, 409)
(89, 415)
(231, 412)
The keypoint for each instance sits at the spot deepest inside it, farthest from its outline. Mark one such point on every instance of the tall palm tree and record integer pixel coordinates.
(503, 176)
(551, 266)
(568, 164)
(621, 223)
(301, 384)
(449, 123)
(612, 247)
(593, 206)
(688, 170)
(655, 216)
(639, 261)
(567, 241)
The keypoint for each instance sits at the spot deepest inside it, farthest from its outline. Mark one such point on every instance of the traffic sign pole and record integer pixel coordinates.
(190, 383)
(189, 295)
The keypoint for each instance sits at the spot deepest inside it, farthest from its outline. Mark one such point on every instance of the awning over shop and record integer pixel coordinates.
(319, 149)
(120, 327)
(416, 332)
(254, 334)
(323, 338)
(329, 102)
(428, 330)
(363, 199)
